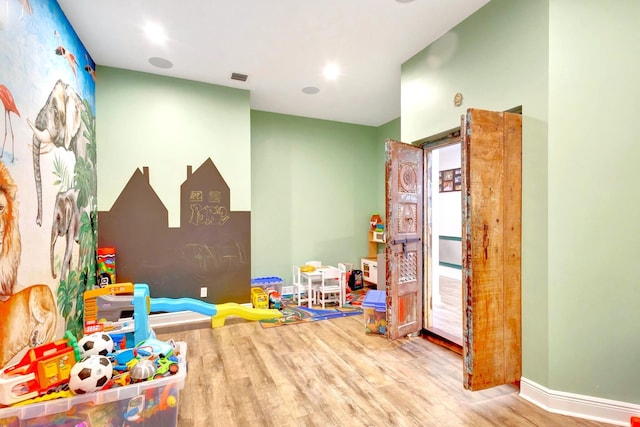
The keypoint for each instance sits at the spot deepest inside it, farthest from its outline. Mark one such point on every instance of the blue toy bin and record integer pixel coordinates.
(374, 308)
(268, 283)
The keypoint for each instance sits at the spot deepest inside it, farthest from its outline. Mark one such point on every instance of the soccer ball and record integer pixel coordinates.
(90, 374)
(96, 343)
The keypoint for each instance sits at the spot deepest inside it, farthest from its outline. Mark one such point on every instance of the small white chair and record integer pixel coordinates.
(300, 293)
(330, 288)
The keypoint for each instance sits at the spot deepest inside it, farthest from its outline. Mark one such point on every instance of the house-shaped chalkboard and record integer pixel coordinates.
(211, 248)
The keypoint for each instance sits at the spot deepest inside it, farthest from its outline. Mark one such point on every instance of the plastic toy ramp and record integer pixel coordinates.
(248, 313)
(171, 305)
(218, 312)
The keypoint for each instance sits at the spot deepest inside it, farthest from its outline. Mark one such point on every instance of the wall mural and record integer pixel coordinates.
(47, 176)
(210, 249)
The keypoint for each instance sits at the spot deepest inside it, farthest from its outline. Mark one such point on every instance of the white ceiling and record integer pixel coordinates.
(282, 45)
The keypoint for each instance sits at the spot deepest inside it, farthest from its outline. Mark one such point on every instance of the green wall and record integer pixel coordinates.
(166, 124)
(577, 90)
(314, 186)
(593, 211)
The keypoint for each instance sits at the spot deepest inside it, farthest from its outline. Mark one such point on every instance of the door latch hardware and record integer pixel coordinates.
(404, 243)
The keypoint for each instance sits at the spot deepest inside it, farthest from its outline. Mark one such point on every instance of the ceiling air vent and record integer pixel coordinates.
(239, 76)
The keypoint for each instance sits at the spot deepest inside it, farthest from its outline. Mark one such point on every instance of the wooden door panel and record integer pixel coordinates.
(491, 163)
(407, 307)
(404, 187)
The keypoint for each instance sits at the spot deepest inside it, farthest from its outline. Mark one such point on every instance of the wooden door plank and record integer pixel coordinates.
(484, 340)
(491, 263)
(512, 246)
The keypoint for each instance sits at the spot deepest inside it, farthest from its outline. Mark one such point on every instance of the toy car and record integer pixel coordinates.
(166, 365)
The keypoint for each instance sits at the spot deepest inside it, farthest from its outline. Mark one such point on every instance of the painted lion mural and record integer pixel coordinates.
(10, 246)
(28, 317)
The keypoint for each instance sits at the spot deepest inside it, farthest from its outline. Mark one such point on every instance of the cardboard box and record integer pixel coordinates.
(148, 404)
(374, 307)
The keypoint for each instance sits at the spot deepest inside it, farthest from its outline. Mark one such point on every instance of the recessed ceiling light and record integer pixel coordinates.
(331, 71)
(160, 62)
(155, 33)
(310, 90)
(404, 1)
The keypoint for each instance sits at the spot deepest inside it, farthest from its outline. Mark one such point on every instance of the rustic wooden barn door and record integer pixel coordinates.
(404, 187)
(491, 244)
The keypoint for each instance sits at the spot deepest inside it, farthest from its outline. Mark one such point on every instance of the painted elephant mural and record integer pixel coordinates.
(58, 124)
(66, 123)
(66, 222)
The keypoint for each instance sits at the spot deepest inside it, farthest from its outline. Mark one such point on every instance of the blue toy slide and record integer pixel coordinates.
(183, 304)
(218, 312)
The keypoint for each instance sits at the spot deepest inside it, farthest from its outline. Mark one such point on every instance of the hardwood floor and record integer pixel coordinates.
(330, 373)
(447, 313)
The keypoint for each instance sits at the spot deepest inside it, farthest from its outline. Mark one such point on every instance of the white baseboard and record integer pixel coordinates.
(577, 405)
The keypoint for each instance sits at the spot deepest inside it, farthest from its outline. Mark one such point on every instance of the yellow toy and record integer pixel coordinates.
(259, 298)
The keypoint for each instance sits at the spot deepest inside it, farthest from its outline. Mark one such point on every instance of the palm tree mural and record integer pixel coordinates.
(71, 288)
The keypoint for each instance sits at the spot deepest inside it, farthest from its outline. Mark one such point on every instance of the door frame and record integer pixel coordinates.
(428, 147)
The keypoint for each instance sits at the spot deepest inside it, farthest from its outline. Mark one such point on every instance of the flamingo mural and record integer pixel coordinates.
(70, 57)
(9, 107)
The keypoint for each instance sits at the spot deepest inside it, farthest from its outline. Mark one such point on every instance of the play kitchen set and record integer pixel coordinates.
(375, 254)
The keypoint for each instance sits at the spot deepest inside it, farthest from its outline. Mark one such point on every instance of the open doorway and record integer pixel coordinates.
(443, 210)
(491, 194)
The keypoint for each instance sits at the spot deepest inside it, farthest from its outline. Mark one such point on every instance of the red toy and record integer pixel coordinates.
(43, 369)
(275, 300)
